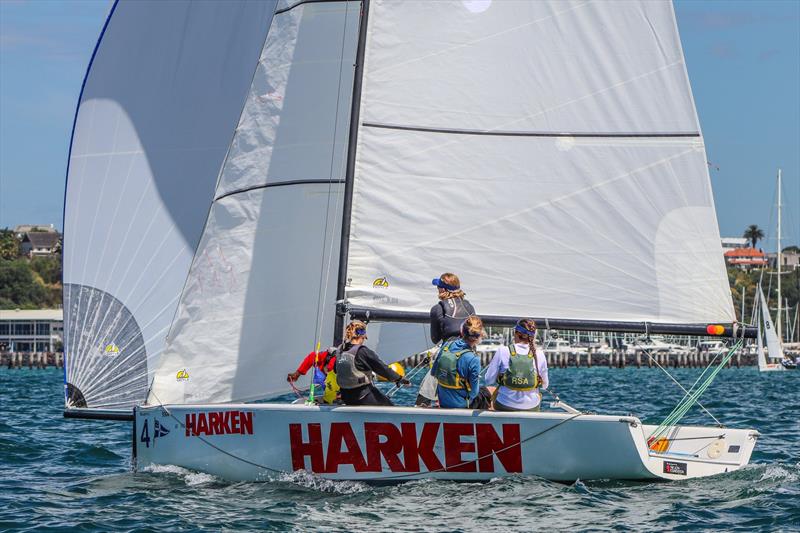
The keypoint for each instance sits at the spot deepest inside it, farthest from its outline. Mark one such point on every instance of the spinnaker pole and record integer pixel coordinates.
(347, 210)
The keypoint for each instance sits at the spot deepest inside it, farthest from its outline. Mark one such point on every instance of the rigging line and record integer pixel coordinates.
(647, 353)
(684, 405)
(451, 468)
(324, 270)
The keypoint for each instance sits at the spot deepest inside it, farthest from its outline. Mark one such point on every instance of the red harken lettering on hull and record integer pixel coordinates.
(219, 423)
(385, 442)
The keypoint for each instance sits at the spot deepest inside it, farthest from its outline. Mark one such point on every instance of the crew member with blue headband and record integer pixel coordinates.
(355, 364)
(451, 309)
(519, 370)
(457, 369)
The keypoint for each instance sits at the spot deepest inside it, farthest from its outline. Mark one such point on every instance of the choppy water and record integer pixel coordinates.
(58, 474)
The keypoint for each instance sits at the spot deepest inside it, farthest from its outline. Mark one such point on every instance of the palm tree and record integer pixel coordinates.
(754, 234)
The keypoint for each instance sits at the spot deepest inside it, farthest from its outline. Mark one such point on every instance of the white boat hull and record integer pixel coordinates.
(251, 442)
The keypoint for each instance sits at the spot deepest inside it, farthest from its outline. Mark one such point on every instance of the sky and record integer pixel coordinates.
(743, 59)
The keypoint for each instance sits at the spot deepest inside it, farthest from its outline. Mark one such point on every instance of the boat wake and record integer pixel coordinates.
(310, 481)
(190, 477)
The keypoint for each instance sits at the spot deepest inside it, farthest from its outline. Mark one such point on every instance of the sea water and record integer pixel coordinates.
(60, 475)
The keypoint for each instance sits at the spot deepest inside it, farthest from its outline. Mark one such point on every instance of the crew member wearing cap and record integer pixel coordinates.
(446, 318)
(355, 364)
(457, 369)
(520, 370)
(451, 309)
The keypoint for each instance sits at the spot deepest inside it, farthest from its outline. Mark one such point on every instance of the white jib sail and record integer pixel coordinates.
(161, 100)
(547, 152)
(774, 346)
(262, 285)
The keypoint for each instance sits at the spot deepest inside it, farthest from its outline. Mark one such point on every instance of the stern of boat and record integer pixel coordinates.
(693, 451)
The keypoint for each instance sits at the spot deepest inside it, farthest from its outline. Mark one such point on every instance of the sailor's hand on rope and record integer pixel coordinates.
(292, 376)
(401, 382)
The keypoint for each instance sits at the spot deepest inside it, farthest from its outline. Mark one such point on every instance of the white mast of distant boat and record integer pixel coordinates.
(772, 332)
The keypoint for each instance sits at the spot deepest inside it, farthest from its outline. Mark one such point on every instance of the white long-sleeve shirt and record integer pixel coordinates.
(513, 398)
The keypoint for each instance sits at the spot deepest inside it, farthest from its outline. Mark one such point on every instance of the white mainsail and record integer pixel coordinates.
(547, 152)
(263, 283)
(160, 101)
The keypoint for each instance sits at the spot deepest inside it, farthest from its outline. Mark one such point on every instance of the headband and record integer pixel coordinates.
(442, 285)
(519, 328)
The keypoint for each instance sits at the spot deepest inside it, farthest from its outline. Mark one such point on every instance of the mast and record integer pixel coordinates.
(347, 210)
(780, 260)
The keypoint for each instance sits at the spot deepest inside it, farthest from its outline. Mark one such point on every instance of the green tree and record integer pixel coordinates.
(49, 268)
(9, 245)
(754, 234)
(19, 287)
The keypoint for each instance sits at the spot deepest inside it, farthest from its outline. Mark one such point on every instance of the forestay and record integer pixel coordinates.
(548, 152)
(156, 115)
(261, 288)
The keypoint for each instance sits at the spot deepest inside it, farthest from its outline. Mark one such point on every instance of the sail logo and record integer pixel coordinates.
(110, 349)
(463, 448)
(219, 423)
(675, 468)
(382, 283)
(182, 375)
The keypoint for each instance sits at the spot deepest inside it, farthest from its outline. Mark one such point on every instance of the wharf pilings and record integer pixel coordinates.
(39, 360)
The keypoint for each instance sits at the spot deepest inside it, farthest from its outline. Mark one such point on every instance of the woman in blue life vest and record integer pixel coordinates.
(446, 318)
(457, 369)
(519, 370)
(355, 364)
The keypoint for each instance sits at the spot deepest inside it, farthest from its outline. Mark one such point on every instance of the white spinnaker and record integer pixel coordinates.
(264, 277)
(160, 103)
(547, 152)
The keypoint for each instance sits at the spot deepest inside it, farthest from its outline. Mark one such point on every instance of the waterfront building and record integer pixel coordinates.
(39, 330)
(746, 258)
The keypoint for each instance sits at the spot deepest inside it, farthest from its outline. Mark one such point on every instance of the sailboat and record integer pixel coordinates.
(245, 177)
(773, 359)
(769, 360)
